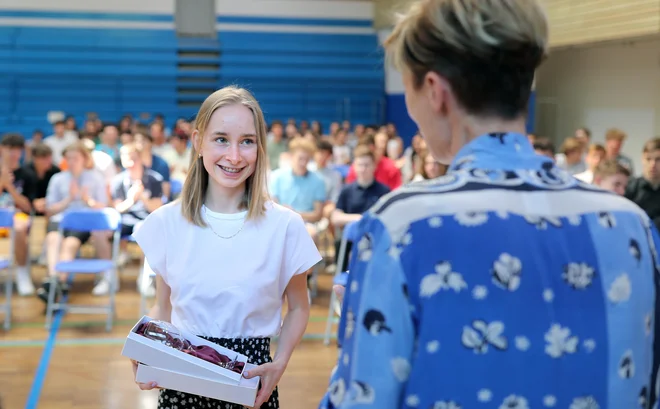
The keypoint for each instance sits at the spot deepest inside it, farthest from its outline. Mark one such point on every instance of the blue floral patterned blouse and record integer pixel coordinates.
(506, 284)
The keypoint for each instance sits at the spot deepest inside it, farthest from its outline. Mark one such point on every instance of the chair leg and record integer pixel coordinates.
(331, 317)
(51, 301)
(8, 291)
(111, 308)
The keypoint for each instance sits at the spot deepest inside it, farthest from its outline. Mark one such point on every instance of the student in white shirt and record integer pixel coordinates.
(226, 255)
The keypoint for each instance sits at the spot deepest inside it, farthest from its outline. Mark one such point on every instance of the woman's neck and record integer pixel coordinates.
(473, 127)
(224, 200)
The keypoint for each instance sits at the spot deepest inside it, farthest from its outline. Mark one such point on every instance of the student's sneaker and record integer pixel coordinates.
(103, 287)
(123, 259)
(24, 284)
(42, 292)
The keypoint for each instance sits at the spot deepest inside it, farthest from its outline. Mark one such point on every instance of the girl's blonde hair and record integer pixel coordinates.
(196, 184)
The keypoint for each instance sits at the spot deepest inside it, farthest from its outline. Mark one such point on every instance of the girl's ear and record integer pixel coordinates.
(196, 139)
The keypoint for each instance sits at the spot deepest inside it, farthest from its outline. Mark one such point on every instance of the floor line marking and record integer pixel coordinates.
(44, 361)
(99, 341)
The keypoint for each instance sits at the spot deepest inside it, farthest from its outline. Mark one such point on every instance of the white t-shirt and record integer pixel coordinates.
(227, 288)
(104, 164)
(57, 145)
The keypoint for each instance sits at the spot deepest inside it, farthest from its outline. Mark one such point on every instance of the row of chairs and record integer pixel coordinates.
(87, 220)
(349, 234)
(109, 219)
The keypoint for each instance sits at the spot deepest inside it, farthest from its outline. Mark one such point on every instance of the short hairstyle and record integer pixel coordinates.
(596, 148)
(651, 145)
(13, 140)
(368, 139)
(610, 167)
(41, 150)
(130, 148)
(157, 124)
(615, 134)
(324, 146)
(488, 51)
(362, 151)
(586, 130)
(544, 144)
(83, 148)
(300, 143)
(89, 144)
(570, 144)
(275, 123)
(197, 179)
(145, 135)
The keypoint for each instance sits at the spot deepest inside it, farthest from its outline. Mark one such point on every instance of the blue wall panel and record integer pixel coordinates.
(79, 70)
(324, 77)
(113, 71)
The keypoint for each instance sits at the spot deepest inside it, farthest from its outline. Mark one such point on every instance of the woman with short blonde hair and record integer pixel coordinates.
(225, 255)
(506, 283)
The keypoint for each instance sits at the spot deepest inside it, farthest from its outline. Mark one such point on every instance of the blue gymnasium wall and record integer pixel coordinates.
(328, 69)
(78, 62)
(322, 76)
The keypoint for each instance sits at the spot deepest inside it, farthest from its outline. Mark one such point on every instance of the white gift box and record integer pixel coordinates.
(177, 370)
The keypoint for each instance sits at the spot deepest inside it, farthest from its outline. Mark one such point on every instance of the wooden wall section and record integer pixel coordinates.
(577, 22)
(574, 22)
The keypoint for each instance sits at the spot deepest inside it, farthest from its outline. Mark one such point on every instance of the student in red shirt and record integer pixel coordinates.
(386, 171)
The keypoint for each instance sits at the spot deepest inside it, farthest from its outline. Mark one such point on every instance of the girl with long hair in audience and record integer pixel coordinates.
(226, 255)
(427, 167)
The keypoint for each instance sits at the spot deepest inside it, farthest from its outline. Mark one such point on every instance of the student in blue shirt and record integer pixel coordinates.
(506, 283)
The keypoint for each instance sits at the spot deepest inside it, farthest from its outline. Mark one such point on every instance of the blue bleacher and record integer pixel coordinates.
(79, 70)
(325, 77)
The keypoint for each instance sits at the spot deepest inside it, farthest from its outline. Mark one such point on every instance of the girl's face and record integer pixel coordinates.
(432, 168)
(229, 146)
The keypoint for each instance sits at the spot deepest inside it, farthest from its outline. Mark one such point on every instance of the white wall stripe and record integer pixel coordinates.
(115, 6)
(49, 22)
(277, 28)
(399, 215)
(393, 78)
(343, 9)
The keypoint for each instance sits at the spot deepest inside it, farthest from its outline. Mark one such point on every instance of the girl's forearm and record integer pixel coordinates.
(293, 328)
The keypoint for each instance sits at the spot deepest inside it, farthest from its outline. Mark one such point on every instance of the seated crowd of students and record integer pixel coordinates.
(330, 179)
(130, 167)
(606, 166)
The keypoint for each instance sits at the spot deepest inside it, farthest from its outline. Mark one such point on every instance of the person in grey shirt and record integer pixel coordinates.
(80, 187)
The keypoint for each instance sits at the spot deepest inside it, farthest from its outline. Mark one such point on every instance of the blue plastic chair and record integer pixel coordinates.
(88, 220)
(343, 170)
(6, 264)
(176, 186)
(349, 234)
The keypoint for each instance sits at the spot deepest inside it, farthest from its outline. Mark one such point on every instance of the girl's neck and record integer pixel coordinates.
(224, 200)
(76, 173)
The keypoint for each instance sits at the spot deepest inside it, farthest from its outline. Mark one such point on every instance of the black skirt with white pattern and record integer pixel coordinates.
(258, 352)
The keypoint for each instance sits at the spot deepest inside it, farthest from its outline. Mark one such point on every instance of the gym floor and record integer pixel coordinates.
(78, 365)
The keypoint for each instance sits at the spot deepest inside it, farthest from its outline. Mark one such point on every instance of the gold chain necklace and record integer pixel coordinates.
(216, 233)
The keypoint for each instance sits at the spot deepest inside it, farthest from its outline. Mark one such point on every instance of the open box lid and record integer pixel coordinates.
(154, 353)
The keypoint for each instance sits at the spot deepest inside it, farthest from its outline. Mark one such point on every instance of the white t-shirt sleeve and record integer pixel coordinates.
(150, 235)
(300, 252)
